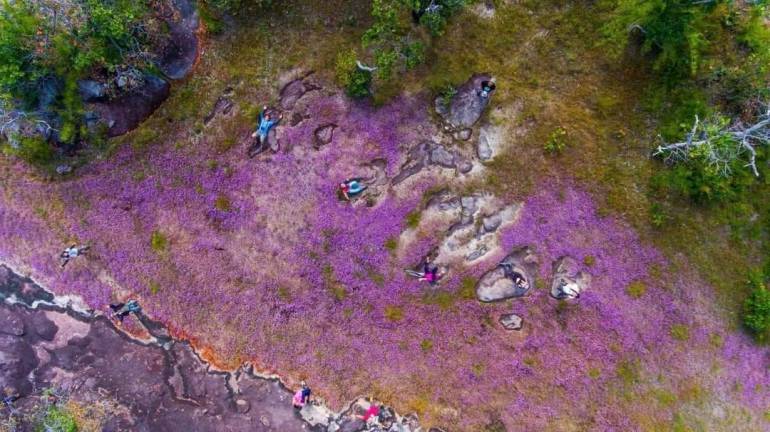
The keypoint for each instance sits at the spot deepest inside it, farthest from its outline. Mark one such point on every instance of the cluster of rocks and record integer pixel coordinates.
(470, 225)
(516, 274)
(428, 153)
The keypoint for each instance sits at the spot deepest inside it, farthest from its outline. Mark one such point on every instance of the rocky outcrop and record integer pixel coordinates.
(181, 50)
(126, 112)
(429, 153)
(499, 283)
(295, 89)
(568, 280)
(465, 107)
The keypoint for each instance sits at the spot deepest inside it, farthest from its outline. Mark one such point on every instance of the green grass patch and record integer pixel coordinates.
(158, 242)
(154, 287)
(442, 299)
(394, 313)
(426, 345)
(680, 332)
(391, 244)
(467, 288)
(636, 289)
(413, 218)
(284, 294)
(629, 372)
(589, 260)
(222, 203)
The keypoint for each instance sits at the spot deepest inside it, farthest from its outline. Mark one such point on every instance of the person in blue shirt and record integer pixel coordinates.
(350, 188)
(266, 121)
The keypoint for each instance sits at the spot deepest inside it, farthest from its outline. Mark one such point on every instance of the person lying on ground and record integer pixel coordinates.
(351, 188)
(429, 274)
(122, 310)
(72, 252)
(266, 121)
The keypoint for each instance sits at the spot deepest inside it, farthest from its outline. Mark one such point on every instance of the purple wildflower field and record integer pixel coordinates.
(258, 260)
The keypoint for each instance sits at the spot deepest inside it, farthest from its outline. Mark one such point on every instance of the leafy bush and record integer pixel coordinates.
(57, 420)
(414, 54)
(33, 150)
(355, 81)
(556, 141)
(756, 308)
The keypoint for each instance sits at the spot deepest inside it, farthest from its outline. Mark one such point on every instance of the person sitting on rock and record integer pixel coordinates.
(302, 396)
(122, 310)
(72, 252)
(266, 122)
(569, 291)
(351, 188)
(517, 278)
(9, 397)
(371, 415)
(487, 87)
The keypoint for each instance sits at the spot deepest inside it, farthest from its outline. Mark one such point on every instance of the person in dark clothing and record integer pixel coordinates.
(122, 310)
(515, 276)
(429, 273)
(305, 393)
(487, 87)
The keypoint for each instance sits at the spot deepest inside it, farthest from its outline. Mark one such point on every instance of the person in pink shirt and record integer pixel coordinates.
(301, 397)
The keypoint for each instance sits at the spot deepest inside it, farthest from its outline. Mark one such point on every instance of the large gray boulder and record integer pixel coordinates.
(511, 321)
(466, 106)
(498, 284)
(568, 280)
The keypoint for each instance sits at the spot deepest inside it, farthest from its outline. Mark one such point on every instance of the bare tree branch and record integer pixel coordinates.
(721, 145)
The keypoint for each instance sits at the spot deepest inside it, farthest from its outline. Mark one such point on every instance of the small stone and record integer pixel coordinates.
(242, 406)
(324, 135)
(63, 169)
(91, 91)
(464, 166)
(492, 223)
(265, 422)
(442, 157)
(463, 134)
(511, 321)
(478, 253)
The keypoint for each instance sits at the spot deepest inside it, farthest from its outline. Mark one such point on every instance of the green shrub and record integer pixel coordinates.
(556, 141)
(57, 420)
(33, 150)
(756, 308)
(414, 54)
(355, 81)
(391, 244)
(468, 288)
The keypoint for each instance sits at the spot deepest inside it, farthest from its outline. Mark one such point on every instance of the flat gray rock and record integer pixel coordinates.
(511, 321)
(466, 106)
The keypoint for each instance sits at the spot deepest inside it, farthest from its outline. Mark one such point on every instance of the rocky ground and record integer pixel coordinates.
(155, 383)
